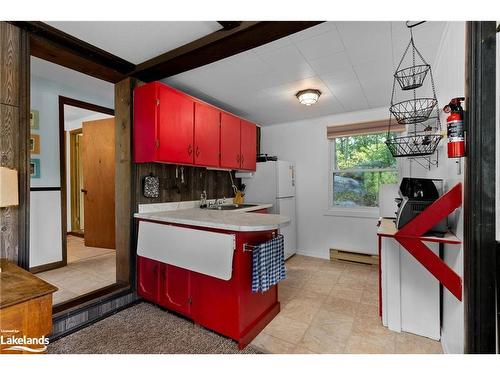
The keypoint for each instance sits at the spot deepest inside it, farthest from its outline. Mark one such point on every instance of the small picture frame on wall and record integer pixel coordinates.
(35, 168)
(34, 119)
(34, 144)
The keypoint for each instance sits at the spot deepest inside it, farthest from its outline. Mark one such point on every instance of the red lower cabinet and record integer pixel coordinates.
(227, 307)
(147, 278)
(175, 289)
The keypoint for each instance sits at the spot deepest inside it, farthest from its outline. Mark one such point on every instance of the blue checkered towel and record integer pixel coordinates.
(268, 260)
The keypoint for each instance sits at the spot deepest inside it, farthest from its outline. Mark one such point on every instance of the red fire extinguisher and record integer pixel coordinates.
(455, 128)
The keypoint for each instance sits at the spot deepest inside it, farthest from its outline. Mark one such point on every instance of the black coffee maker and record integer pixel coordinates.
(415, 195)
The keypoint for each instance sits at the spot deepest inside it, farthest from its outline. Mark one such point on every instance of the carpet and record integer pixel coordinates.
(145, 329)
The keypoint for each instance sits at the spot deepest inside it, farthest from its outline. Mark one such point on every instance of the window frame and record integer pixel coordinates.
(358, 211)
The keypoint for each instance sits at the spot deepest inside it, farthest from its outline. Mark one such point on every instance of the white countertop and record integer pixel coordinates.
(235, 220)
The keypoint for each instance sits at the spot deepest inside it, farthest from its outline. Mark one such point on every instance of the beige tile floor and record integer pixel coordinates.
(88, 269)
(332, 307)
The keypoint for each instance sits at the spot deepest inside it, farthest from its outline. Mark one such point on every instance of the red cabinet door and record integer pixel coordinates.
(145, 122)
(175, 126)
(230, 135)
(175, 289)
(248, 146)
(147, 278)
(206, 135)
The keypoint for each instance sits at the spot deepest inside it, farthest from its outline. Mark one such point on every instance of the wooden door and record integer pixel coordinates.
(175, 126)
(230, 141)
(248, 145)
(175, 289)
(99, 180)
(206, 135)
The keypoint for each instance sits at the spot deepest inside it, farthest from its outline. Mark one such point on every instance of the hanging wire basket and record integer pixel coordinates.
(413, 77)
(413, 111)
(423, 126)
(413, 145)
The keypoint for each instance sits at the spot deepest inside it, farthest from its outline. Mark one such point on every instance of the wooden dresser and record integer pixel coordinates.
(25, 309)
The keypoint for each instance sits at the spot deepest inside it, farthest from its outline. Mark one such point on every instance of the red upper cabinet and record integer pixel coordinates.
(173, 127)
(206, 135)
(176, 126)
(145, 122)
(248, 146)
(230, 141)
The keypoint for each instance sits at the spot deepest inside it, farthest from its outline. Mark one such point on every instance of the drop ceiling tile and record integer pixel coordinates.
(331, 64)
(366, 41)
(320, 46)
(312, 31)
(260, 84)
(350, 95)
(274, 45)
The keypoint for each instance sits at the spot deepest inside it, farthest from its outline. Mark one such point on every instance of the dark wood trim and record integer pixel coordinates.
(216, 46)
(47, 188)
(125, 202)
(54, 45)
(228, 25)
(84, 301)
(47, 267)
(479, 196)
(85, 105)
(63, 100)
(24, 153)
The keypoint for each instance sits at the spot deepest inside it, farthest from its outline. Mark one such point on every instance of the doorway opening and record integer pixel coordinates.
(87, 206)
(76, 182)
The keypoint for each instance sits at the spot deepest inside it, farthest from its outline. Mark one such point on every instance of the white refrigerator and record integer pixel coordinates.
(274, 182)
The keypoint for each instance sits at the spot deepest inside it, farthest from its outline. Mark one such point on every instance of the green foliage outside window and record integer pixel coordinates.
(361, 164)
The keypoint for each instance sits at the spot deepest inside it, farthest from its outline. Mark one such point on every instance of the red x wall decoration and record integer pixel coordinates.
(411, 238)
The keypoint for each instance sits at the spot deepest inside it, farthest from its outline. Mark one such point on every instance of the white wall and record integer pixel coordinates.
(305, 143)
(45, 98)
(450, 82)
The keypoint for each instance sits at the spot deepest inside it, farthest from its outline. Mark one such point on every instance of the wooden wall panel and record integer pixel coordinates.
(11, 132)
(9, 64)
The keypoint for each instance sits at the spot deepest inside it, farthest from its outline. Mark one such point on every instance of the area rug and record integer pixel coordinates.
(145, 329)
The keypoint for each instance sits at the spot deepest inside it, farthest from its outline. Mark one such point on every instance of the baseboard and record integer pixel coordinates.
(48, 267)
(350, 256)
(312, 254)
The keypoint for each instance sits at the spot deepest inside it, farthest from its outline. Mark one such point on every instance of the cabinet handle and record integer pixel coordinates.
(190, 149)
(197, 151)
(238, 158)
(242, 159)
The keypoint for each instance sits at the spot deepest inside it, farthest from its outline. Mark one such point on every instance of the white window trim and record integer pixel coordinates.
(360, 211)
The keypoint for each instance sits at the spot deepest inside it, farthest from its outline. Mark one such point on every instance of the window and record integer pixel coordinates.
(359, 164)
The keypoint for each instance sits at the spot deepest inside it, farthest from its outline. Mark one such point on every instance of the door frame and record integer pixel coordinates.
(480, 246)
(74, 178)
(63, 100)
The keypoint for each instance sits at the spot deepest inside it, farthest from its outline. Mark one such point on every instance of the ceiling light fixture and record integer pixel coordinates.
(308, 97)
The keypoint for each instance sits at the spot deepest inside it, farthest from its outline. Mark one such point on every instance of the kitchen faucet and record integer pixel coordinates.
(203, 199)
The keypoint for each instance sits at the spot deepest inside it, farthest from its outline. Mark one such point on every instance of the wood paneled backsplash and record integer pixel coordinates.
(216, 183)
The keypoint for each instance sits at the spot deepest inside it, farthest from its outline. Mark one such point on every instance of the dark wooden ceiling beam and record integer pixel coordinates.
(228, 25)
(49, 43)
(216, 46)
